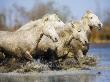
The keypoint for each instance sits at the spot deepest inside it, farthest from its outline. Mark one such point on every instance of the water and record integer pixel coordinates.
(102, 52)
(101, 73)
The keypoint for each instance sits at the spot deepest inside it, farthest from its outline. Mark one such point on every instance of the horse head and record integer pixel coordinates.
(92, 20)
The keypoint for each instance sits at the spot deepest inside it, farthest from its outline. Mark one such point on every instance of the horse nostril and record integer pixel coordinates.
(85, 42)
(56, 40)
(99, 25)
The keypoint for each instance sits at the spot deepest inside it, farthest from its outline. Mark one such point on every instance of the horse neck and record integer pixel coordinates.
(36, 31)
(85, 23)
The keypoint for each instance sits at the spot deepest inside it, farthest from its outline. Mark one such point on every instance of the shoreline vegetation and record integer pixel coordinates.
(102, 36)
(101, 42)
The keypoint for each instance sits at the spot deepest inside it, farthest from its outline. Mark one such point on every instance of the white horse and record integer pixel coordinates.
(23, 43)
(52, 19)
(76, 44)
(89, 21)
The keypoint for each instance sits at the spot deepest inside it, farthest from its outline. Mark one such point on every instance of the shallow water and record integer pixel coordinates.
(101, 73)
(102, 52)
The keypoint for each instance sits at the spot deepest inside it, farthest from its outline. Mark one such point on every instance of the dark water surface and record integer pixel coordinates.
(101, 73)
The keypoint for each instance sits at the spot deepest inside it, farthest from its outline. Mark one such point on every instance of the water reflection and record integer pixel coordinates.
(71, 78)
(59, 78)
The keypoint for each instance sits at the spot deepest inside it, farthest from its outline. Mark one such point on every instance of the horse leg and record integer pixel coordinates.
(80, 53)
(28, 56)
(2, 55)
(77, 56)
(85, 50)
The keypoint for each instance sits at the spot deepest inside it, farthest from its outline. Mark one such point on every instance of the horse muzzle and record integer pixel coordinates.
(100, 26)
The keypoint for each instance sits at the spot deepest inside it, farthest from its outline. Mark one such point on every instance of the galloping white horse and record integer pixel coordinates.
(76, 44)
(89, 21)
(23, 43)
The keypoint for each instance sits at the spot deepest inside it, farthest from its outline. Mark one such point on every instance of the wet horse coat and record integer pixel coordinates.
(23, 43)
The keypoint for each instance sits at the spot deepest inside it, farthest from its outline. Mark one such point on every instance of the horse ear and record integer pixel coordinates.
(54, 15)
(86, 14)
(45, 18)
(88, 11)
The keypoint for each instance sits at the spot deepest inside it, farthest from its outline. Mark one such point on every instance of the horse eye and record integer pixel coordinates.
(91, 17)
(79, 30)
